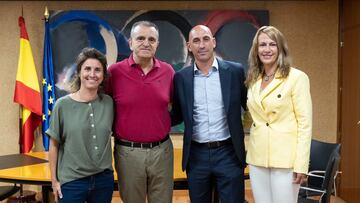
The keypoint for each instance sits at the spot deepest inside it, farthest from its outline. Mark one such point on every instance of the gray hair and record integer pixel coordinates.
(146, 24)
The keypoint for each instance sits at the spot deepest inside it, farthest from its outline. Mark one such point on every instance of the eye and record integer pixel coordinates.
(87, 68)
(262, 44)
(196, 40)
(140, 38)
(206, 39)
(98, 69)
(152, 40)
(273, 44)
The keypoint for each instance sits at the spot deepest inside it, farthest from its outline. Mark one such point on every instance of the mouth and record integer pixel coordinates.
(92, 80)
(203, 52)
(267, 56)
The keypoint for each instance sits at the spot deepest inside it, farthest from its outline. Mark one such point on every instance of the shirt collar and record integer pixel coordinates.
(132, 63)
(215, 66)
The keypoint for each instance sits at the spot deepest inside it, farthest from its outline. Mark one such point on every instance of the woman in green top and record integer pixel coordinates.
(80, 131)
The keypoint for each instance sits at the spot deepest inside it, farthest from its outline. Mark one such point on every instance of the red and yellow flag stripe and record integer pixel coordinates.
(27, 91)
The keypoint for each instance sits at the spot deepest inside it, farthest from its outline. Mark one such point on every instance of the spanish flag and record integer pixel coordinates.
(27, 91)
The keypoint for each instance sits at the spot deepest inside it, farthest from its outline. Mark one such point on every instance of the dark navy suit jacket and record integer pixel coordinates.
(234, 97)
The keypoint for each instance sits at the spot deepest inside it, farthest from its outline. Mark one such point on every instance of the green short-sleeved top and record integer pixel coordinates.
(83, 131)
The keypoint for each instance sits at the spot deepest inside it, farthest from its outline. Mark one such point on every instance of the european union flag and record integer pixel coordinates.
(48, 86)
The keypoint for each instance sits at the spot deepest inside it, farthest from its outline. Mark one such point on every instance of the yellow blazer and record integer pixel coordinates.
(280, 135)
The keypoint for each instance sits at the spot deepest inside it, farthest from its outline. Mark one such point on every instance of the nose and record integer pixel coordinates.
(267, 48)
(92, 73)
(146, 42)
(202, 44)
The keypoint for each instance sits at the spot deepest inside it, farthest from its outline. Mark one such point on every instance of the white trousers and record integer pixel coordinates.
(273, 185)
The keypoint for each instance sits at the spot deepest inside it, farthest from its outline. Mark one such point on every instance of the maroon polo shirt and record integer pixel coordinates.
(141, 101)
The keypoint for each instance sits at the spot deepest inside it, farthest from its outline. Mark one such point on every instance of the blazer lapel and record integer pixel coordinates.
(225, 82)
(255, 89)
(189, 90)
(273, 85)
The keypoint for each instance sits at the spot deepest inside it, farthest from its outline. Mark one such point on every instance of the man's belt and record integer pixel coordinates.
(214, 144)
(146, 145)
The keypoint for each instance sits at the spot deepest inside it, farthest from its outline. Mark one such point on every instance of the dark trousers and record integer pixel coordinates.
(218, 168)
(97, 188)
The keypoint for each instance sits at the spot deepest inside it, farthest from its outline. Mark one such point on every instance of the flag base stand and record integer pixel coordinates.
(26, 196)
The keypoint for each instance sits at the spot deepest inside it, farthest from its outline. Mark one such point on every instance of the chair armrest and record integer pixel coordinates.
(317, 172)
(337, 172)
(314, 190)
(314, 175)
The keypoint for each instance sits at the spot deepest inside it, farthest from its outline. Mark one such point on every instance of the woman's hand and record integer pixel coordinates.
(299, 178)
(56, 190)
(53, 155)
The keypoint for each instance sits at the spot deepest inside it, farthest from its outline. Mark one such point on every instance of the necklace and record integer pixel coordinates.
(268, 77)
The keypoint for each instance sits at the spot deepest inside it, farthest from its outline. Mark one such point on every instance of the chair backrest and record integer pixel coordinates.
(330, 173)
(7, 191)
(320, 153)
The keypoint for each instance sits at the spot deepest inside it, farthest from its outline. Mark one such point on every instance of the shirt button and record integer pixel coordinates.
(267, 124)
(92, 125)
(91, 115)
(96, 148)
(94, 136)
(89, 104)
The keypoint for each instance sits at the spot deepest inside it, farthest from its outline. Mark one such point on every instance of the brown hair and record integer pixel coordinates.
(283, 61)
(85, 54)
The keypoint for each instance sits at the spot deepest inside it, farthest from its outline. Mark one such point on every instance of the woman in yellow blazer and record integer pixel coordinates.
(279, 102)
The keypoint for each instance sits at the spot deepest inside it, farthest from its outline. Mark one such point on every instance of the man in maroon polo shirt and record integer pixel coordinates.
(141, 87)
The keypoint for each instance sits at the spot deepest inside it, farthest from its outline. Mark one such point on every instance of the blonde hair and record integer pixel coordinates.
(283, 61)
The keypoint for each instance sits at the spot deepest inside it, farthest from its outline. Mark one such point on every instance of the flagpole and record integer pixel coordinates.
(48, 81)
(20, 128)
(46, 14)
(20, 107)
(29, 109)
(21, 192)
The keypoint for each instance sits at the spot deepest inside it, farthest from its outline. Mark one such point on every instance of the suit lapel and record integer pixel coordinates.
(255, 89)
(271, 87)
(225, 82)
(189, 90)
(260, 96)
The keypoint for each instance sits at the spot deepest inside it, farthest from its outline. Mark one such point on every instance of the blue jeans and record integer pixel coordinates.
(96, 188)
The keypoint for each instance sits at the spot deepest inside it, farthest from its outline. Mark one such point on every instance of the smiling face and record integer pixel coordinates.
(91, 74)
(267, 50)
(201, 43)
(144, 42)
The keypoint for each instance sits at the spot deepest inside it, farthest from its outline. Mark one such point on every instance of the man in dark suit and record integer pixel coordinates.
(208, 97)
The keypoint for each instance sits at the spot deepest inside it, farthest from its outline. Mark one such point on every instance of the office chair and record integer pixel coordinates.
(319, 156)
(326, 188)
(7, 191)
